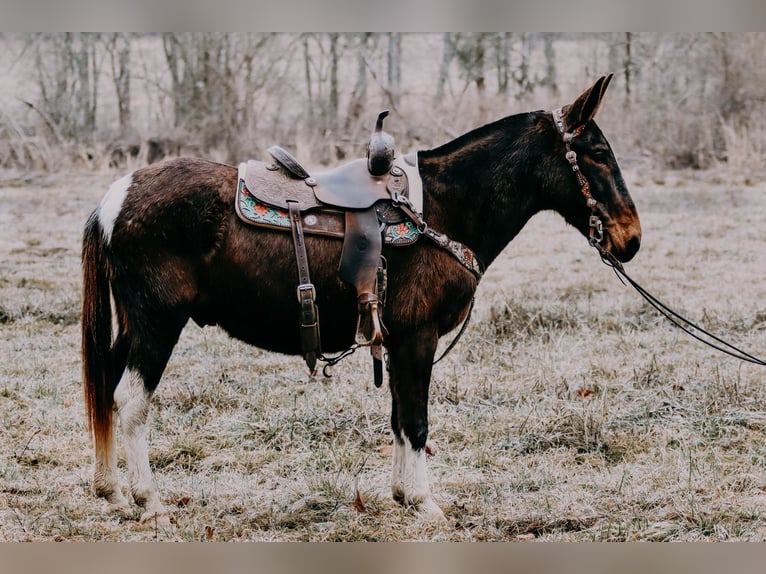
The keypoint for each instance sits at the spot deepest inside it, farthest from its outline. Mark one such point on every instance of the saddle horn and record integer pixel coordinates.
(380, 150)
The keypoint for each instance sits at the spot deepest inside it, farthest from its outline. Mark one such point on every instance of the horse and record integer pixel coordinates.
(165, 245)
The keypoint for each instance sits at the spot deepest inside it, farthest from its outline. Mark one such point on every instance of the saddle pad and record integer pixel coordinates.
(327, 222)
(414, 183)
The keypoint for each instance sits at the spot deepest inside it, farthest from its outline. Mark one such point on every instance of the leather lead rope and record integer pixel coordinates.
(309, 314)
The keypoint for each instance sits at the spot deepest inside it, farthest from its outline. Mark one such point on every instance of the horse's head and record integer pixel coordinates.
(586, 181)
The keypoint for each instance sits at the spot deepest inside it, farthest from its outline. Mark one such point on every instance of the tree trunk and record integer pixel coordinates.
(119, 46)
(359, 95)
(628, 66)
(479, 62)
(394, 66)
(332, 112)
(307, 69)
(68, 69)
(448, 53)
(502, 61)
(550, 64)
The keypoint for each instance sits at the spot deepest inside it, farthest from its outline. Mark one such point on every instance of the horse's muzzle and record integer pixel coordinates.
(626, 249)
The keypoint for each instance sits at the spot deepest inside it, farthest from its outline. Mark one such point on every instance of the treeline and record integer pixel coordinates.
(96, 99)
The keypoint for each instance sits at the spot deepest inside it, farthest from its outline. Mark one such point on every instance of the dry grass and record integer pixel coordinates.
(569, 411)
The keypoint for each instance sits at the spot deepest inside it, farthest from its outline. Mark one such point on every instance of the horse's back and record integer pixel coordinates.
(178, 205)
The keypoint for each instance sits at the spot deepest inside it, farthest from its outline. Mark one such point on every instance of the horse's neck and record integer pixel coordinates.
(469, 203)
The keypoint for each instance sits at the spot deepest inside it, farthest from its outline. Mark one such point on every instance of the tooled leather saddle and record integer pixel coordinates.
(354, 202)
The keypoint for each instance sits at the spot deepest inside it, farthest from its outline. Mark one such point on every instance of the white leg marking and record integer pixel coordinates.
(409, 483)
(397, 472)
(111, 204)
(106, 480)
(132, 403)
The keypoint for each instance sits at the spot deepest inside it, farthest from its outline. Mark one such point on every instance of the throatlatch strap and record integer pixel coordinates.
(310, 340)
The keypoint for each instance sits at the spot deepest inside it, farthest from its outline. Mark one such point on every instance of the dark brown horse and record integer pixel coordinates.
(166, 245)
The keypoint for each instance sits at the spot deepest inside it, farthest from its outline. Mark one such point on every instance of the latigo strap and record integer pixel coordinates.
(310, 339)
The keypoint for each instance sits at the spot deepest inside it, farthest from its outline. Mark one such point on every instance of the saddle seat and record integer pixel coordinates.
(351, 186)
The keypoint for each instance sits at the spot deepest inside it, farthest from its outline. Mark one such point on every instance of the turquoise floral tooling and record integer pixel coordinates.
(259, 212)
(401, 233)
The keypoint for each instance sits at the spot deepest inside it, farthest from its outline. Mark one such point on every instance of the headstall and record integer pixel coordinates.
(596, 227)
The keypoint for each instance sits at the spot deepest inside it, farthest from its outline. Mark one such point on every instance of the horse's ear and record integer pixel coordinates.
(585, 107)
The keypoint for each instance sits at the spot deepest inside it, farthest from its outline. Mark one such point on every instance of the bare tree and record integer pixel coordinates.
(628, 65)
(68, 70)
(307, 75)
(359, 95)
(502, 61)
(471, 51)
(332, 109)
(118, 45)
(549, 79)
(214, 82)
(394, 66)
(448, 54)
(521, 74)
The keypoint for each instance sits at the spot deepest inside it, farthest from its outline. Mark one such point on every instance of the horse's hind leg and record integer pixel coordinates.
(106, 482)
(152, 344)
(410, 364)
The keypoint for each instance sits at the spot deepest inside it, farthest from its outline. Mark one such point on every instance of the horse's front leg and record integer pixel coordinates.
(411, 358)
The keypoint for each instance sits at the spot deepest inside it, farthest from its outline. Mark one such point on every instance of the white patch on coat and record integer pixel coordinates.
(111, 205)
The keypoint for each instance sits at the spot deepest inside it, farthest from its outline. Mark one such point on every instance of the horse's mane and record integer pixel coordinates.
(488, 132)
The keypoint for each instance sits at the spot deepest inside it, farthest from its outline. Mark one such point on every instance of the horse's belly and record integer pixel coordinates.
(273, 324)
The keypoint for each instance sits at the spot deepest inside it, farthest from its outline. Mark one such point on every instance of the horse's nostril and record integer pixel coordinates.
(633, 244)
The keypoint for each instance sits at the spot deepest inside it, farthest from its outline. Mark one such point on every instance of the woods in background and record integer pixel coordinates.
(95, 99)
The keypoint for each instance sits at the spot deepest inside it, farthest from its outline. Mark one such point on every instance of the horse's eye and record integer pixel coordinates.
(600, 157)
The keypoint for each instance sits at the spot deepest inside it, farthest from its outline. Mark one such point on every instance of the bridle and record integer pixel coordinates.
(596, 227)
(596, 235)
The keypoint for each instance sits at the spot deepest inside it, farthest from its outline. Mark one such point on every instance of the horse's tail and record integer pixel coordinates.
(97, 363)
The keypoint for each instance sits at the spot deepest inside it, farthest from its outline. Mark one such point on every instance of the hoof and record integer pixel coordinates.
(123, 510)
(430, 511)
(151, 518)
(117, 503)
(426, 508)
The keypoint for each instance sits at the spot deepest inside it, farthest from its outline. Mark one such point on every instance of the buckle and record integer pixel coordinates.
(306, 288)
(597, 226)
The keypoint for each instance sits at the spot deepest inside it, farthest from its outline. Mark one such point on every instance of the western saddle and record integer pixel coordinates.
(360, 202)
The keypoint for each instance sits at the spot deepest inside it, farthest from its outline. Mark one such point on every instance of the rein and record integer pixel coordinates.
(595, 236)
(689, 327)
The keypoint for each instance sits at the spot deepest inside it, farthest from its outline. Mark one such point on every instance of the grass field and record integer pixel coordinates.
(569, 411)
